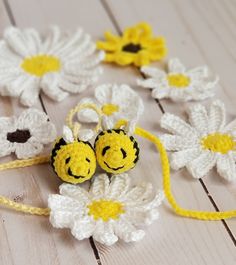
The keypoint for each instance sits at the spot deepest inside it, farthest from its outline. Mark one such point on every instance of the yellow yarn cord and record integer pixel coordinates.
(19, 206)
(201, 215)
(25, 162)
(23, 207)
(75, 126)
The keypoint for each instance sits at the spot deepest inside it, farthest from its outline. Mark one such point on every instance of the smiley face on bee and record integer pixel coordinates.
(73, 162)
(116, 152)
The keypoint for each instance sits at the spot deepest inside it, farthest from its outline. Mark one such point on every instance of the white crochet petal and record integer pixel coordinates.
(15, 87)
(100, 186)
(61, 219)
(33, 39)
(103, 93)
(161, 92)
(201, 165)
(198, 117)
(7, 124)
(149, 83)
(31, 118)
(181, 95)
(177, 126)
(83, 228)
(68, 135)
(6, 147)
(126, 231)
(16, 39)
(226, 167)
(59, 203)
(53, 36)
(175, 66)
(74, 192)
(29, 149)
(46, 133)
(153, 72)
(118, 186)
(50, 86)
(30, 93)
(139, 195)
(104, 234)
(182, 158)
(131, 105)
(216, 116)
(72, 85)
(198, 73)
(230, 128)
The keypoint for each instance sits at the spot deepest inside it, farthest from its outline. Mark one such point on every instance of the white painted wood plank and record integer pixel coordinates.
(184, 239)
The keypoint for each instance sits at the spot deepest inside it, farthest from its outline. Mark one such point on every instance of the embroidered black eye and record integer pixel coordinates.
(87, 160)
(123, 152)
(67, 160)
(105, 149)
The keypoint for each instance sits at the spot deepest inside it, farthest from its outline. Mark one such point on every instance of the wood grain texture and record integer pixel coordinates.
(171, 240)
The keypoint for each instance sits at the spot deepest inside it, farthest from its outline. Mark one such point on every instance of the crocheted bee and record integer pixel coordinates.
(73, 162)
(116, 152)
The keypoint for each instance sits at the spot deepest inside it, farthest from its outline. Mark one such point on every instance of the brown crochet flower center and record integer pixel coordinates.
(19, 136)
(133, 48)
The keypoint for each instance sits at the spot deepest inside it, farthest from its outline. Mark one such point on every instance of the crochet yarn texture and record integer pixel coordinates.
(137, 46)
(116, 152)
(59, 64)
(73, 162)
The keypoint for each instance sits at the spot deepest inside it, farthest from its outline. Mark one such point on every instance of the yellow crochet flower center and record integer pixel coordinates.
(39, 65)
(178, 80)
(218, 143)
(105, 209)
(109, 109)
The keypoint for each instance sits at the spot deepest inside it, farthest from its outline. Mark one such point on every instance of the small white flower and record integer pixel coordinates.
(178, 84)
(203, 144)
(108, 211)
(59, 64)
(26, 134)
(116, 102)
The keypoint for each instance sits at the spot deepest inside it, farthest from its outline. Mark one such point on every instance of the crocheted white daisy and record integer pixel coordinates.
(59, 64)
(203, 144)
(178, 84)
(26, 134)
(108, 211)
(116, 102)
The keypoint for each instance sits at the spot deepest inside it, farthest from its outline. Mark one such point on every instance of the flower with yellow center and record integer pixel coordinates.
(111, 209)
(137, 46)
(178, 84)
(116, 102)
(60, 64)
(203, 143)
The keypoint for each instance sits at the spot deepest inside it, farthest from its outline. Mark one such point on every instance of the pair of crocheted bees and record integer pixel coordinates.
(74, 160)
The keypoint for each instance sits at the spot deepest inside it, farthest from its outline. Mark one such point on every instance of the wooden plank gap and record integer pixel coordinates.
(95, 251)
(217, 210)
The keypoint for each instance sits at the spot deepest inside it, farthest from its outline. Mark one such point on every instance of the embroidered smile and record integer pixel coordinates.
(70, 173)
(113, 168)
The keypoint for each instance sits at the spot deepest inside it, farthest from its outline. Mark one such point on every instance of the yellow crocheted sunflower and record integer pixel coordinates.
(136, 46)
